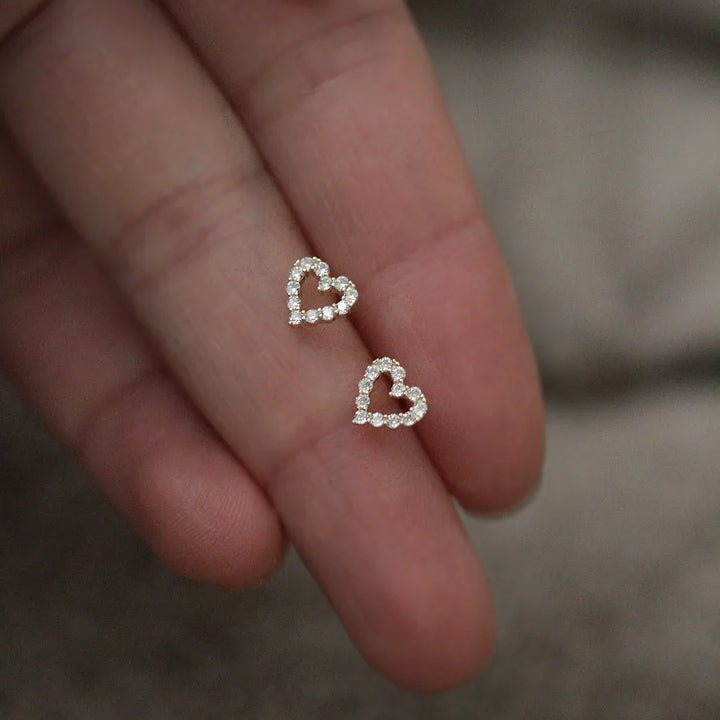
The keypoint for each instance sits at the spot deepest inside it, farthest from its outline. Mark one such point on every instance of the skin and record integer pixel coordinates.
(161, 169)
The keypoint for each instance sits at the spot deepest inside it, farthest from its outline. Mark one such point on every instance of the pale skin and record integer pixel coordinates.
(161, 169)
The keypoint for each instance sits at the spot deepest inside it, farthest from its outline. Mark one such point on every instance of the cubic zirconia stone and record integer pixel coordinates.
(384, 364)
(328, 313)
(307, 264)
(295, 317)
(397, 390)
(293, 302)
(393, 421)
(321, 269)
(377, 420)
(324, 284)
(407, 419)
(343, 308)
(293, 288)
(341, 283)
(361, 417)
(362, 402)
(312, 316)
(414, 393)
(420, 410)
(365, 385)
(397, 374)
(297, 274)
(351, 295)
(372, 372)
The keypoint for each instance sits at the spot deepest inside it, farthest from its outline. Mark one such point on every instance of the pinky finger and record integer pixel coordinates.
(74, 352)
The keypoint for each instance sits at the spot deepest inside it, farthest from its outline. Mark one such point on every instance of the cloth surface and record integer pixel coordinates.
(594, 134)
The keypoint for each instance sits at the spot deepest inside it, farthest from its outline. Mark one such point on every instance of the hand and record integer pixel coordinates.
(188, 156)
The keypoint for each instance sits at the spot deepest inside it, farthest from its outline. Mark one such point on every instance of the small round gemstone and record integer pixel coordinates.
(343, 308)
(328, 313)
(408, 419)
(393, 421)
(293, 288)
(351, 295)
(307, 263)
(397, 390)
(297, 274)
(376, 420)
(372, 372)
(321, 269)
(341, 283)
(293, 302)
(324, 284)
(365, 385)
(312, 316)
(384, 364)
(362, 402)
(420, 410)
(361, 417)
(397, 373)
(295, 317)
(414, 393)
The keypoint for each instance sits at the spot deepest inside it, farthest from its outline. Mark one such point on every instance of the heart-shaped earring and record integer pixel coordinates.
(399, 390)
(326, 283)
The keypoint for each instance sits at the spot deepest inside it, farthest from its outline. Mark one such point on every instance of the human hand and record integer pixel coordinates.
(189, 154)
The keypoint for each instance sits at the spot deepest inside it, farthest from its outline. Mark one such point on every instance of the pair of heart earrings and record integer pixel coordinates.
(386, 365)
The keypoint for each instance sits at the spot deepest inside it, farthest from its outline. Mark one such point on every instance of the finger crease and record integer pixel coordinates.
(308, 446)
(435, 241)
(178, 227)
(312, 76)
(81, 437)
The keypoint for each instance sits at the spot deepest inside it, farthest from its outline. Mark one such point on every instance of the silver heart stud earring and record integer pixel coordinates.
(326, 283)
(415, 395)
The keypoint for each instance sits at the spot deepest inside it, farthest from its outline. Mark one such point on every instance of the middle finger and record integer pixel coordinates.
(153, 168)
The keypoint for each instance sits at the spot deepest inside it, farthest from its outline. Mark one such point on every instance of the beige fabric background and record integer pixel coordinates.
(594, 132)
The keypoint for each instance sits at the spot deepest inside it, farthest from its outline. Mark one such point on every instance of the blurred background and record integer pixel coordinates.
(593, 130)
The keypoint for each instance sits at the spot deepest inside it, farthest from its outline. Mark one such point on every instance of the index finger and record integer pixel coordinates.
(341, 101)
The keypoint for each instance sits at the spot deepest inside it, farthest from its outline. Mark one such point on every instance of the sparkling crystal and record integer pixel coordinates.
(414, 393)
(372, 372)
(297, 274)
(384, 364)
(312, 316)
(307, 263)
(343, 308)
(324, 284)
(328, 313)
(397, 374)
(341, 283)
(365, 385)
(321, 269)
(351, 295)
(293, 288)
(408, 419)
(362, 402)
(397, 390)
(361, 417)
(293, 302)
(295, 317)
(420, 410)
(377, 420)
(393, 421)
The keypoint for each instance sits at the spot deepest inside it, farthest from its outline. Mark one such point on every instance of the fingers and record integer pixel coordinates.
(151, 165)
(71, 347)
(340, 100)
